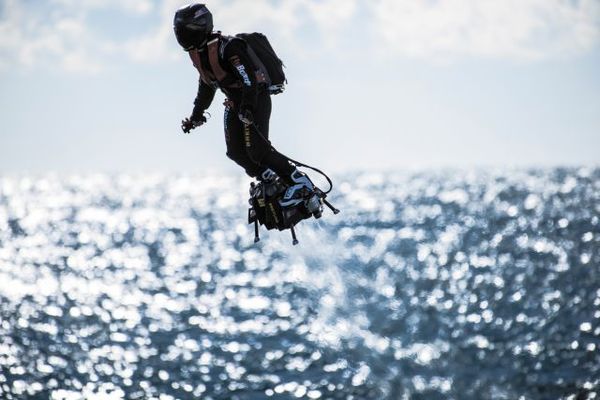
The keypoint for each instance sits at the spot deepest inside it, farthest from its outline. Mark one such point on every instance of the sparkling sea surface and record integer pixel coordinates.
(429, 285)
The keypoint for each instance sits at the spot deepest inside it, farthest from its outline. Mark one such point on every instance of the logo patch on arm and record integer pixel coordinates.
(235, 60)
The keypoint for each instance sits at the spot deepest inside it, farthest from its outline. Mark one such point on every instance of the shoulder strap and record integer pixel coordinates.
(216, 49)
(213, 59)
(205, 74)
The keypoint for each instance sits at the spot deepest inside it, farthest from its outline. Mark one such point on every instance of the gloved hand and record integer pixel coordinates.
(245, 115)
(189, 123)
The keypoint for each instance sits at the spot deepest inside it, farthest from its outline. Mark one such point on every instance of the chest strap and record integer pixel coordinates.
(205, 74)
(217, 75)
(213, 59)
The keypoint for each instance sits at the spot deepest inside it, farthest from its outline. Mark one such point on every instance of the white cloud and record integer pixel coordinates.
(158, 45)
(40, 36)
(56, 32)
(332, 14)
(132, 6)
(517, 29)
(243, 16)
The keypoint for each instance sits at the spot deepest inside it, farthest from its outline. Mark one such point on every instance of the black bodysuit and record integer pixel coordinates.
(247, 145)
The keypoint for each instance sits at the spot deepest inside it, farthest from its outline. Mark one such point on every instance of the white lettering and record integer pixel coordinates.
(244, 75)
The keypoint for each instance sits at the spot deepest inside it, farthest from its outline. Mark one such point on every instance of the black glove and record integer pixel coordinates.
(190, 123)
(245, 115)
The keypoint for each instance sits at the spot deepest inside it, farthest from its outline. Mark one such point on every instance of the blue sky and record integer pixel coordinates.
(90, 85)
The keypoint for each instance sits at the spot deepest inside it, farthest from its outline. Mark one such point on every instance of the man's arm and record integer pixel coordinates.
(204, 98)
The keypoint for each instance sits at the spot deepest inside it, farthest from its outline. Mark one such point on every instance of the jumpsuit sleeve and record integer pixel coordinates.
(204, 98)
(240, 63)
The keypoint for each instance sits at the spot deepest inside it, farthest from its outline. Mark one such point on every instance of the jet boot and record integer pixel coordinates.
(268, 176)
(300, 189)
(281, 202)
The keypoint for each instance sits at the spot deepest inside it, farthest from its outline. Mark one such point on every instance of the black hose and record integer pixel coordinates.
(299, 164)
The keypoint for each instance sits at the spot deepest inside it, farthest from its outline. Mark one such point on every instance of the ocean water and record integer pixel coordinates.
(432, 285)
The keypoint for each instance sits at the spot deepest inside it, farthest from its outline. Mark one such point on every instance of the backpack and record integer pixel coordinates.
(265, 58)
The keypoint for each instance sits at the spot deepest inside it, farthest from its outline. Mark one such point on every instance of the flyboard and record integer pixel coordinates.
(266, 208)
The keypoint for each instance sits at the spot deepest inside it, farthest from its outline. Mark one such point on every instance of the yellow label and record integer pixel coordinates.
(273, 212)
(247, 135)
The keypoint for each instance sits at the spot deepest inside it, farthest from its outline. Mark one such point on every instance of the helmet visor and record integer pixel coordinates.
(189, 39)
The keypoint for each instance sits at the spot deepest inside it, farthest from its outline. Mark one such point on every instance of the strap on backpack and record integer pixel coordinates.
(205, 74)
(218, 74)
(213, 59)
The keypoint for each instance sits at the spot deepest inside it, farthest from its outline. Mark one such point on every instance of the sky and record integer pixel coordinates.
(101, 85)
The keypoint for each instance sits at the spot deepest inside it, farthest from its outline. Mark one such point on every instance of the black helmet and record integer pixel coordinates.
(192, 25)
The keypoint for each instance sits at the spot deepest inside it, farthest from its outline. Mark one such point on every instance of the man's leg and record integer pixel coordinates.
(260, 149)
(234, 140)
(257, 144)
